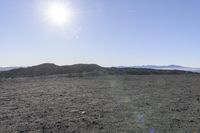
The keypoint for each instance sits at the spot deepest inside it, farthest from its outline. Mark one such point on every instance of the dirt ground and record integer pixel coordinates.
(101, 104)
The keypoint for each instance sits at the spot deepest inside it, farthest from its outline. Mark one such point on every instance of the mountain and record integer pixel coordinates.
(170, 67)
(7, 68)
(81, 70)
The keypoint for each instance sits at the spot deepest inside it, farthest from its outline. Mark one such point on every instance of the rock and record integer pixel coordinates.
(83, 112)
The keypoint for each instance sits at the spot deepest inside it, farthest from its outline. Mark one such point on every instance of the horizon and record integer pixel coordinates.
(101, 65)
(107, 33)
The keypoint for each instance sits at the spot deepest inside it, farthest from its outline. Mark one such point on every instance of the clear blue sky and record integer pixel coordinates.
(105, 32)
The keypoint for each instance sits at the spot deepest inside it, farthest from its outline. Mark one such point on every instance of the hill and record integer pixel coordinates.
(80, 70)
(51, 69)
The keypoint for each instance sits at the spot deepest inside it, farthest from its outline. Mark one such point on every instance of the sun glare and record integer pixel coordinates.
(59, 13)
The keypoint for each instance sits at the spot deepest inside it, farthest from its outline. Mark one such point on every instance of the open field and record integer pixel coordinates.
(101, 104)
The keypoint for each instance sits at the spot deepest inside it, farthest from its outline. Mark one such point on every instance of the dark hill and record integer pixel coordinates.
(81, 69)
(143, 71)
(51, 69)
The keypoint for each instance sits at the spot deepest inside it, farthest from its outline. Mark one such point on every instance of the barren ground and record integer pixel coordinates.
(102, 104)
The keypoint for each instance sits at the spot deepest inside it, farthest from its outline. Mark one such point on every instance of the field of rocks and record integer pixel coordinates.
(101, 104)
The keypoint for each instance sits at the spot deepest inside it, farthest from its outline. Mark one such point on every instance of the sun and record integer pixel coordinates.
(59, 13)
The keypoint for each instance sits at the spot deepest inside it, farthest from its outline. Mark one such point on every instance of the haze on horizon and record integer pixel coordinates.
(104, 32)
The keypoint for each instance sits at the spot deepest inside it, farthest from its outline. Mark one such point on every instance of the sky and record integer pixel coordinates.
(104, 32)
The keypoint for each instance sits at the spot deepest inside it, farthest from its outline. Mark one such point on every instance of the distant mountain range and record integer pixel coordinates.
(169, 67)
(7, 68)
(87, 69)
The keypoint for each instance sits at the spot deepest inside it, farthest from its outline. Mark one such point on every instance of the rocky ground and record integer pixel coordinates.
(101, 104)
